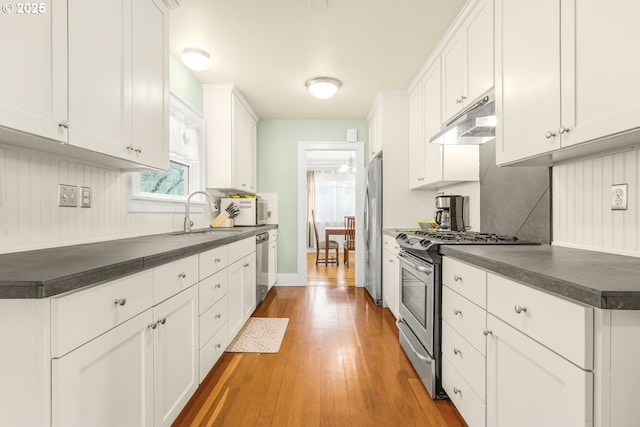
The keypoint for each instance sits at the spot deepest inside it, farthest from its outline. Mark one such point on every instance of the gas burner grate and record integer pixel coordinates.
(465, 236)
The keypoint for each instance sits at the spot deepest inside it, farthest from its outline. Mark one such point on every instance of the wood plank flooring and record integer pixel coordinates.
(340, 364)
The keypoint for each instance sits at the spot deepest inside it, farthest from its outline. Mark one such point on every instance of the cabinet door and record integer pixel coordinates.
(375, 133)
(273, 263)
(248, 286)
(452, 77)
(175, 354)
(108, 381)
(432, 95)
(527, 78)
(244, 150)
(604, 83)
(33, 77)
(478, 51)
(390, 281)
(529, 385)
(99, 75)
(150, 76)
(234, 298)
(416, 137)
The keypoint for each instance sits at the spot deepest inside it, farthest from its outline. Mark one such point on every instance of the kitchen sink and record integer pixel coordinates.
(208, 231)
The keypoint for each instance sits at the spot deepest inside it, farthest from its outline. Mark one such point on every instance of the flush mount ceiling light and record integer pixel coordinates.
(196, 59)
(323, 87)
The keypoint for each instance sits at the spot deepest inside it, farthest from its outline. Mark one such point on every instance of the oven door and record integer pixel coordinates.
(417, 298)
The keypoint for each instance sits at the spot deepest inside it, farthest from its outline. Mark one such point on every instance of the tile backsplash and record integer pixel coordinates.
(514, 200)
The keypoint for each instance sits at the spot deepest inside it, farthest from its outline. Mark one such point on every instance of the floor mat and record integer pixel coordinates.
(260, 335)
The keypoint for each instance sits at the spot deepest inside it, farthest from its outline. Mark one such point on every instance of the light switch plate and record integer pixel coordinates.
(619, 197)
(67, 196)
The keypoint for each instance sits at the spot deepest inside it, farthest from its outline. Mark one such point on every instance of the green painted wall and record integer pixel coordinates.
(184, 84)
(277, 170)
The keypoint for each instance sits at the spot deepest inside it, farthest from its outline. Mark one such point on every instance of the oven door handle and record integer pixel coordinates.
(417, 267)
(426, 359)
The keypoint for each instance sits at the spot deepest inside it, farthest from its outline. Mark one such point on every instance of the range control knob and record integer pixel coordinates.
(401, 236)
(425, 243)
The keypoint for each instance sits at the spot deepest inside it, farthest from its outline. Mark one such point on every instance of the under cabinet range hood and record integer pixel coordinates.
(475, 125)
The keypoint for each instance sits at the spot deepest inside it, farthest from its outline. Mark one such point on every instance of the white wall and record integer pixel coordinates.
(582, 215)
(30, 217)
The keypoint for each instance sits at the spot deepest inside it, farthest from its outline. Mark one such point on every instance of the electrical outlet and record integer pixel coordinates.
(619, 197)
(85, 197)
(67, 195)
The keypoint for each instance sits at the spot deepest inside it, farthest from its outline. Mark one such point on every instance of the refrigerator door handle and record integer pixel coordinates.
(366, 218)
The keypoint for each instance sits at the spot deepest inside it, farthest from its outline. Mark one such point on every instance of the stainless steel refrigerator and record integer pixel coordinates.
(372, 219)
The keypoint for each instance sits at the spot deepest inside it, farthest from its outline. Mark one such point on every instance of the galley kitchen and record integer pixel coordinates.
(319, 212)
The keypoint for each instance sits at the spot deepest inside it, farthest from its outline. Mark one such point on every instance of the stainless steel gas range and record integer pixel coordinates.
(419, 323)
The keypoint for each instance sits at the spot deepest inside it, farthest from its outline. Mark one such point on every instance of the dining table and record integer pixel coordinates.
(331, 231)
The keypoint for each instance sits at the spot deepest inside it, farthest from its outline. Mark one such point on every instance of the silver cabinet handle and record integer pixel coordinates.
(153, 325)
(130, 147)
(182, 275)
(217, 286)
(456, 390)
(217, 316)
(519, 309)
(456, 351)
(120, 301)
(217, 260)
(486, 332)
(218, 345)
(550, 134)
(563, 130)
(246, 265)
(456, 311)
(457, 278)
(138, 150)
(64, 124)
(390, 260)
(163, 321)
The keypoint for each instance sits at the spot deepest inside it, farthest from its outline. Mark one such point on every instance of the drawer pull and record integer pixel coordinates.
(246, 265)
(217, 260)
(456, 311)
(120, 301)
(457, 352)
(457, 278)
(218, 345)
(182, 275)
(519, 309)
(162, 321)
(153, 325)
(487, 332)
(218, 316)
(217, 286)
(456, 390)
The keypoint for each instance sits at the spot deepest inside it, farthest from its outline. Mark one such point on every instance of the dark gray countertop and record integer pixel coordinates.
(48, 272)
(598, 279)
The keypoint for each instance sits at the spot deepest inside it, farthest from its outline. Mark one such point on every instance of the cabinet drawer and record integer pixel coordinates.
(212, 319)
(389, 243)
(465, 279)
(563, 326)
(169, 279)
(468, 403)
(465, 317)
(211, 290)
(469, 363)
(241, 248)
(273, 235)
(212, 261)
(212, 350)
(81, 316)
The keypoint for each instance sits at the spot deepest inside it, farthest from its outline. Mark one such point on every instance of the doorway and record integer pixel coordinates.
(311, 155)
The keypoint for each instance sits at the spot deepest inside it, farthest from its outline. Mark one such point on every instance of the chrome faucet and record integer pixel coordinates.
(187, 221)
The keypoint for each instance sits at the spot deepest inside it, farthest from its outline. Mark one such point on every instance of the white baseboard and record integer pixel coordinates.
(290, 279)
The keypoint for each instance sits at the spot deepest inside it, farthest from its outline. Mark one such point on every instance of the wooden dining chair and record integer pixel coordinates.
(349, 237)
(321, 244)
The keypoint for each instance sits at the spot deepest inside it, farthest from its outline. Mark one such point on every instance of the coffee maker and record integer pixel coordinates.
(450, 211)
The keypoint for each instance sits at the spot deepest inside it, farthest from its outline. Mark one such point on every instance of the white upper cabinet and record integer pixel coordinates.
(375, 131)
(231, 139)
(33, 80)
(416, 137)
(574, 83)
(94, 77)
(467, 60)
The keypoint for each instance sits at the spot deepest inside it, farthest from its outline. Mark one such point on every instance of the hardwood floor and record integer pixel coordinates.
(340, 364)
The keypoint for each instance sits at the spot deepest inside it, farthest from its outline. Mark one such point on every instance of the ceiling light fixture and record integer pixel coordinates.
(348, 166)
(323, 87)
(196, 59)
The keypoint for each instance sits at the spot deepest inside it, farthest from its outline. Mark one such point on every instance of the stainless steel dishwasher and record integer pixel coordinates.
(262, 266)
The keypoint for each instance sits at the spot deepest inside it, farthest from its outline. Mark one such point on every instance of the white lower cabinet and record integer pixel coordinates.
(530, 385)
(140, 373)
(272, 269)
(390, 275)
(108, 381)
(242, 292)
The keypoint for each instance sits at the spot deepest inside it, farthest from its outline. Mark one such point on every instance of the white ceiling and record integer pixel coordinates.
(269, 48)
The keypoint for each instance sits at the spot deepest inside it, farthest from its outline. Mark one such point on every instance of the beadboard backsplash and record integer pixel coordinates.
(582, 215)
(31, 219)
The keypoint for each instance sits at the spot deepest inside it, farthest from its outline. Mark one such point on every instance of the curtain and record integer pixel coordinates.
(334, 198)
